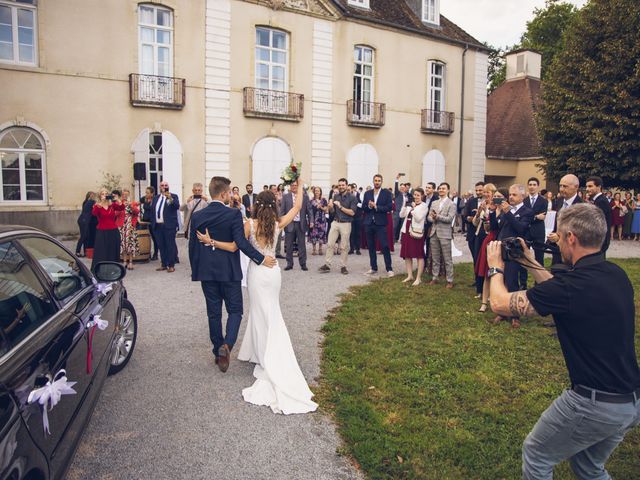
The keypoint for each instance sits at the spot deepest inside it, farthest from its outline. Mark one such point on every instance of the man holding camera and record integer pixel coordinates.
(514, 222)
(197, 201)
(165, 225)
(593, 307)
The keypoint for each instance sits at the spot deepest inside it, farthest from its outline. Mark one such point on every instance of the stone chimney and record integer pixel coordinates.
(523, 63)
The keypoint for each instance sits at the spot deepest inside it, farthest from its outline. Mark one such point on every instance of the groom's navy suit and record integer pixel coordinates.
(218, 270)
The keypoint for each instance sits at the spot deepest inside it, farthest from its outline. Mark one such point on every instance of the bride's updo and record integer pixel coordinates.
(266, 212)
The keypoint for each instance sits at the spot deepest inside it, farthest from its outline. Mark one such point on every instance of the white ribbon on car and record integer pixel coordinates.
(104, 288)
(49, 395)
(97, 321)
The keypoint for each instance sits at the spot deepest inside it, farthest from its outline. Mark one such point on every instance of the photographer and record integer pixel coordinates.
(107, 244)
(593, 307)
(197, 201)
(165, 225)
(514, 222)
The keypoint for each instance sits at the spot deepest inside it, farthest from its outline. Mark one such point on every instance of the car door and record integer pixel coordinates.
(68, 346)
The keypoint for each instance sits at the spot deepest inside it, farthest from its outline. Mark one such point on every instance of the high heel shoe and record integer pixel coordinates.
(408, 279)
(483, 308)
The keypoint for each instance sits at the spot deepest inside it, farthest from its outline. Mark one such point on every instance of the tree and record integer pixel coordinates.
(497, 67)
(545, 31)
(589, 120)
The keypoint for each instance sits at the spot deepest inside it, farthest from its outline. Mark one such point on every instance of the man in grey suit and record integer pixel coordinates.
(296, 230)
(441, 216)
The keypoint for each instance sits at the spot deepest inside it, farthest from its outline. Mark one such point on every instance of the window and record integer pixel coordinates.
(155, 160)
(155, 25)
(362, 81)
(62, 268)
(359, 3)
(22, 172)
(520, 63)
(271, 72)
(435, 90)
(431, 11)
(24, 305)
(18, 32)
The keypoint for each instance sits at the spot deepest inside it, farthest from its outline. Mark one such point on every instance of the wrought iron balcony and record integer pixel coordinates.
(262, 103)
(435, 121)
(155, 91)
(365, 114)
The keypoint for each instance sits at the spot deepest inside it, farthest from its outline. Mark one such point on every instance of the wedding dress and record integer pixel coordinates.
(279, 382)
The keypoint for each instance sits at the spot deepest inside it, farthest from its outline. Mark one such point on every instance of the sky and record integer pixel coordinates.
(498, 22)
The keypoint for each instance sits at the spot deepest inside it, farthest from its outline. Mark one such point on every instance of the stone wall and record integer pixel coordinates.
(54, 222)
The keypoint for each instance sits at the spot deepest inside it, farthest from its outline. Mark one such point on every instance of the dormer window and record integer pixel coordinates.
(360, 3)
(431, 11)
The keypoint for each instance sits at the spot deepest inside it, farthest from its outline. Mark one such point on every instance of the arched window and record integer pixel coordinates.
(270, 157)
(433, 167)
(362, 164)
(23, 174)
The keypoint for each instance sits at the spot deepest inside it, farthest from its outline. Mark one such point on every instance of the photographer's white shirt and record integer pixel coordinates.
(516, 208)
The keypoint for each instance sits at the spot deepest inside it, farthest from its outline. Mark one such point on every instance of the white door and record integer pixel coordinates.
(362, 164)
(433, 167)
(270, 156)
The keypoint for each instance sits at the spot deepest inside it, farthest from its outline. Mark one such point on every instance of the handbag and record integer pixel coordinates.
(416, 233)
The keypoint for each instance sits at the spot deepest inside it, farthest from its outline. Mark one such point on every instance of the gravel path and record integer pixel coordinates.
(172, 414)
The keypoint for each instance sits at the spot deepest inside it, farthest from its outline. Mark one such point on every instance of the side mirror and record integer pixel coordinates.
(109, 271)
(65, 287)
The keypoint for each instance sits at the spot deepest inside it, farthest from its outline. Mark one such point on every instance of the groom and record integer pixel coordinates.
(219, 271)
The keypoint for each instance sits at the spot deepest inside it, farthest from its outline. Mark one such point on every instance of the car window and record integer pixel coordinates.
(24, 305)
(63, 269)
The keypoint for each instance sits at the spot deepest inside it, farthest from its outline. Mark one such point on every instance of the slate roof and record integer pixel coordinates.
(396, 13)
(511, 129)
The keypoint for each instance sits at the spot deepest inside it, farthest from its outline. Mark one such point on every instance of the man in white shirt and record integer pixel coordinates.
(569, 186)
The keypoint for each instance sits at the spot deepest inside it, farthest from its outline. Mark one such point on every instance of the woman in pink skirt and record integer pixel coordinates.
(412, 239)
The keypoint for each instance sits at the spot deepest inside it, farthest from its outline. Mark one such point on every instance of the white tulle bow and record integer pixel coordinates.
(49, 395)
(98, 322)
(104, 288)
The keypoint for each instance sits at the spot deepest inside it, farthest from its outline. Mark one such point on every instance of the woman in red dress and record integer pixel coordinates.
(618, 211)
(412, 235)
(107, 245)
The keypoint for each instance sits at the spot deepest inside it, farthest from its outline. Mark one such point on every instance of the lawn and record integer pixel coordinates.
(422, 387)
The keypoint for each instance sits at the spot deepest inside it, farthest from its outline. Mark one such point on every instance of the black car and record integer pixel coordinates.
(60, 323)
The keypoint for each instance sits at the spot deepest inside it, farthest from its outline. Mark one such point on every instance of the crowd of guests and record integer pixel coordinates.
(492, 213)
(350, 218)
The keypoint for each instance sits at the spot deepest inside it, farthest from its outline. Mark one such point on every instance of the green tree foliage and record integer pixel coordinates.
(589, 122)
(545, 31)
(497, 68)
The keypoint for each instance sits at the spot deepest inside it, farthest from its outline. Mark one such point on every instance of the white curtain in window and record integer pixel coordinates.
(270, 157)
(433, 167)
(362, 164)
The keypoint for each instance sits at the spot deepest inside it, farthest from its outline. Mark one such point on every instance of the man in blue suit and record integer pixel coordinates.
(164, 223)
(218, 270)
(376, 203)
(514, 222)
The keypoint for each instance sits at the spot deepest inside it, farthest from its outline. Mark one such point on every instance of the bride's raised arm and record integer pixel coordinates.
(291, 214)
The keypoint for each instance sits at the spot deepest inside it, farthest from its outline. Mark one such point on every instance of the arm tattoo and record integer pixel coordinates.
(520, 306)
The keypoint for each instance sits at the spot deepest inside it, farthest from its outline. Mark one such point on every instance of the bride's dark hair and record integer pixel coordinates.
(266, 211)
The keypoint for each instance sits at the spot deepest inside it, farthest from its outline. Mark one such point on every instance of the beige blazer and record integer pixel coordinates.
(442, 226)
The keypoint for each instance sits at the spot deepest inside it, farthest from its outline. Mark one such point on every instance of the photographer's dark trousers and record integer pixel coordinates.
(511, 271)
(296, 235)
(166, 238)
(539, 254)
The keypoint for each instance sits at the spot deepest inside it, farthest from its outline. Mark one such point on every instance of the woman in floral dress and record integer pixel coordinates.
(128, 236)
(319, 228)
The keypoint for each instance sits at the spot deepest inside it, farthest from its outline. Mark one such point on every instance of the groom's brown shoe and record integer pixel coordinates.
(223, 358)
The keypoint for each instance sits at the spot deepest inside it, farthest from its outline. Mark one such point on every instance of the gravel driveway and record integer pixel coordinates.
(172, 414)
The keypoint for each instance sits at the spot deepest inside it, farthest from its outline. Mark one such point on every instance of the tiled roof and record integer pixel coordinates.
(396, 13)
(511, 129)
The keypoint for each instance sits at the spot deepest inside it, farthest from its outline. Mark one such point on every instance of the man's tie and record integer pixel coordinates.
(159, 208)
(565, 205)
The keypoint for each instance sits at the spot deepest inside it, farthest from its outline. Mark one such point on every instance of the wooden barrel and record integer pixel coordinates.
(144, 245)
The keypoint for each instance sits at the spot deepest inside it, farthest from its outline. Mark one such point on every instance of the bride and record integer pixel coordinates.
(279, 382)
